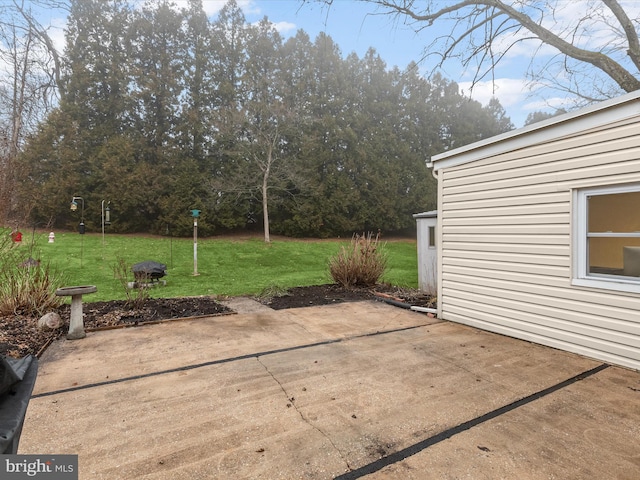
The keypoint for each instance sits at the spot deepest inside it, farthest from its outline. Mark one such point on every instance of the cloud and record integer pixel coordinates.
(248, 6)
(56, 32)
(212, 7)
(520, 46)
(551, 103)
(514, 94)
(281, 27)
(509, 91)
(285, 27)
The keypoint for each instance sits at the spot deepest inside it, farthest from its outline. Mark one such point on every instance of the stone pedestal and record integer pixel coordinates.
(76, 324)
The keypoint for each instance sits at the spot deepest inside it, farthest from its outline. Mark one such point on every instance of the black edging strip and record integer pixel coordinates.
(428, 442)
(223, 360)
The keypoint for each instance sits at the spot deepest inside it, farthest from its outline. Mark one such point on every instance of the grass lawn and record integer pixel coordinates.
(225, 266)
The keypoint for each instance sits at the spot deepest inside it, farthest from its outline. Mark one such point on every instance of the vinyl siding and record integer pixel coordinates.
(505, 257)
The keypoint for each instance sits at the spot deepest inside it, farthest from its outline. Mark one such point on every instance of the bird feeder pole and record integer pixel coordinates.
(74, 207)
(195, 214)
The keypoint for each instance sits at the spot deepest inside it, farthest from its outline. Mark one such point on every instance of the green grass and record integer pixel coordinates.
(225, 267)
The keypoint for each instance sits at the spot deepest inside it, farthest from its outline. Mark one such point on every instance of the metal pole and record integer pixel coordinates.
(103, 229)
(74, 207)
(195, 246)
(82, 236)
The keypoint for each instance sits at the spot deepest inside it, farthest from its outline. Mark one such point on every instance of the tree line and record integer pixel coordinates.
(164, 110)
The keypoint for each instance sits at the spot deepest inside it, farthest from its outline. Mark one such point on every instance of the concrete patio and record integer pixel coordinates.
(355, 390)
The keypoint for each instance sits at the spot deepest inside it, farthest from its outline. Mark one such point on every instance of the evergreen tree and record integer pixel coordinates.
(231, 206)
(158, 76)
(164, 111)
(63, 159)
(199, 90)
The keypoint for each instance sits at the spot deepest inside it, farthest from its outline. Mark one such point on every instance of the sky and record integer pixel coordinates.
(357, 26)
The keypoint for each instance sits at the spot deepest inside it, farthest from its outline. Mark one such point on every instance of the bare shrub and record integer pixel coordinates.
(362, 263)
(139, 294)
(27, 286)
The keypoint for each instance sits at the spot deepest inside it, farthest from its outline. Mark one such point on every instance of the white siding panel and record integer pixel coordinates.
(462, 195)
(506, 244)
(516, 216)
(605, 139)
(552, 172)
(535, 322)
(486, 238)
(506, 259)
(600, 168)
(504, 228)
(626, 356)
(514, 201)
(508, 248)
(486, 266)
(563, 160)
(605, 180)
(484, 276)
(572, 318)
(595, 301)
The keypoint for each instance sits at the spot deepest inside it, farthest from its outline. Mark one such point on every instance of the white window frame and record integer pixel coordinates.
(581, 275)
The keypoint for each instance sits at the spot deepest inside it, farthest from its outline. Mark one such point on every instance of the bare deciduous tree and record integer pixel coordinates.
(30, 73)
(586, 48)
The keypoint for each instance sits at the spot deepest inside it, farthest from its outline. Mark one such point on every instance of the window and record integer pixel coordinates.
(432, 237)
(607, 237)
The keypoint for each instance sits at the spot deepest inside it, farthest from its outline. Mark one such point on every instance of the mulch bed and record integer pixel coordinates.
(99, 315)
(327, 294)
(20, 335)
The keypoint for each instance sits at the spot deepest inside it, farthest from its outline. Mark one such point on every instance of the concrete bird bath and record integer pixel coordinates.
(76, 324)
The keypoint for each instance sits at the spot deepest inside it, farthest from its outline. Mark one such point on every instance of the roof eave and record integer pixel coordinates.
(556, 127)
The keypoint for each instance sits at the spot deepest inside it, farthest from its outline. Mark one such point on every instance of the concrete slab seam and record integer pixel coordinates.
(446, 434)
(224, 360)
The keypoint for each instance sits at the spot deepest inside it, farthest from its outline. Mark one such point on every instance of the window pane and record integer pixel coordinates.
(615, 214)
(607, 255)
(432, 236)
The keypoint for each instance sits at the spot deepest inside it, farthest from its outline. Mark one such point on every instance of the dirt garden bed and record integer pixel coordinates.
(20, 335)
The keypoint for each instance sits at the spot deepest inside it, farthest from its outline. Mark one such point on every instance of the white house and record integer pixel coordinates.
(538, 232)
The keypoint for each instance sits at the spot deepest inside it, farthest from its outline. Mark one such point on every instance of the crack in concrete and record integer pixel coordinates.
(291, 401)
(391, 320)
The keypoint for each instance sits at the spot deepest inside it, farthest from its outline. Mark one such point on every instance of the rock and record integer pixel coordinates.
(50, 321)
